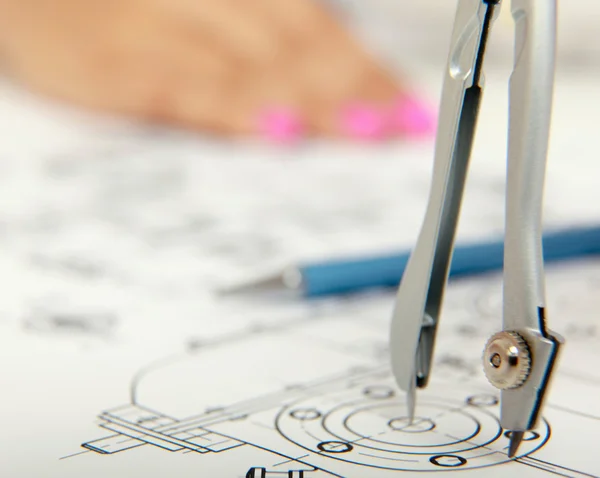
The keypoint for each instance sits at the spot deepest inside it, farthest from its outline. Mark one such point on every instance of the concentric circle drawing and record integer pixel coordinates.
(373, 430)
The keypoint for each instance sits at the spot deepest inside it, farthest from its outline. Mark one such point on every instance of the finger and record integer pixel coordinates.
(155, 92)
(297, 19)
(275, 105)
(197, 103)
(333, 74)
(327, 69)
(167, 75)
(342, 67)
(323, 114)
(207, 109)
(232, 24)
(338, 92)
(154, 39)
(277, 91)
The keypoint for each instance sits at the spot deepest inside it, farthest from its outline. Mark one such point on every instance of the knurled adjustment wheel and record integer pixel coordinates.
(507, 360)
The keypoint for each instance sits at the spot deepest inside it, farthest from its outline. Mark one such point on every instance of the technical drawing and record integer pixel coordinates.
(344, 416)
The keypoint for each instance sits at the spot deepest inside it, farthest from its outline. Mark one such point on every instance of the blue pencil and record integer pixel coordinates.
(351, 275)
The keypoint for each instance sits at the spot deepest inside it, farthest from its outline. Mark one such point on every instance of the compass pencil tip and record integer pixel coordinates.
(515, 440)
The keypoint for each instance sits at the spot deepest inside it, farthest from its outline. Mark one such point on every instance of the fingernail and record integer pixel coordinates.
(413, 118)
(364, 122)
(280, 125)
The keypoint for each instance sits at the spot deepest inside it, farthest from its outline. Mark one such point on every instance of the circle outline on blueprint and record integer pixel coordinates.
(416, 461)
(464, 440)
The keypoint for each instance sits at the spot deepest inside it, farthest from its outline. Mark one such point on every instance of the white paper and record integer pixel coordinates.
(119, 360)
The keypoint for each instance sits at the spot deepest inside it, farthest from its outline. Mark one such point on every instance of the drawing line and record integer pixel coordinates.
(388, 458)
(74, 454)
(551, 470)
(542, 462)
(290, 460)
(574, 412)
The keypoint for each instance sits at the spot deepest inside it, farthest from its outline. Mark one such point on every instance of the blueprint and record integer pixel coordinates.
(119, 359)
(314, 397)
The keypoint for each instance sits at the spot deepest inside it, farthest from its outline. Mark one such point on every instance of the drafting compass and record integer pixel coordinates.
(520, 359)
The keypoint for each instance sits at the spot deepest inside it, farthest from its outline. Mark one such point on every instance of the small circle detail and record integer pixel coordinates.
(448, 461)
(335, 447)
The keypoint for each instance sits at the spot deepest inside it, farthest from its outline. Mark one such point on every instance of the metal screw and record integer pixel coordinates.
(496, 360)
(507, 361)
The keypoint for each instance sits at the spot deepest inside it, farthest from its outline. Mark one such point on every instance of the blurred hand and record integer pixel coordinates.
(213, 65)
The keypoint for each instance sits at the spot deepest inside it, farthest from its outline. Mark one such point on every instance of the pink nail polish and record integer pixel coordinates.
(413, 118)
(280, 125)
(365, 122)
